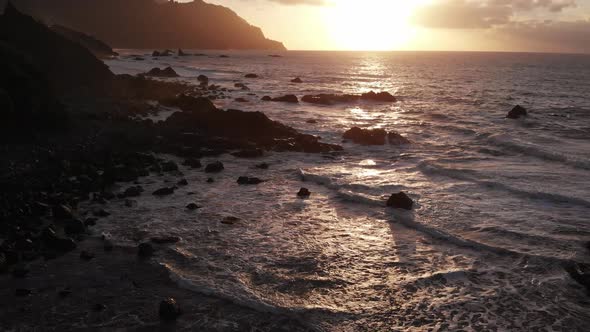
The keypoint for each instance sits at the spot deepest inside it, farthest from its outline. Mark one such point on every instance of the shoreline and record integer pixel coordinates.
(119, 290)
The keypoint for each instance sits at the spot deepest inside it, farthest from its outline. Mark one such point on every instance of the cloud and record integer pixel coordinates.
(301, 2)
(547, 36)
(482, 14)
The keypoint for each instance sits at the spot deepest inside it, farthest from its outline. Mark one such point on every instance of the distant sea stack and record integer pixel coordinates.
(151, 24)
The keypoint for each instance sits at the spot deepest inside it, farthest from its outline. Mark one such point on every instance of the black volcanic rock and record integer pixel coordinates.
(97, 47)
(400, 201)
(238, 128)
(517, 112)
(287, 99)
(166, 72)
(65, 64)
(366, 136)
(155, 24)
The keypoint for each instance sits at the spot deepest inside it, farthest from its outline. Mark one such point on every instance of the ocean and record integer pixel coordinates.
(500, 205)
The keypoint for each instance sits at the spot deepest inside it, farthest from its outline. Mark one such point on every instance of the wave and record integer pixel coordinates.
(505, 142)
(475, 177)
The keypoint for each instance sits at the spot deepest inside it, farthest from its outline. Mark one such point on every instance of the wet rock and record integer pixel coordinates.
(253, 153)
(22, 292)
(244, 180)
(241, 86)
(74, 226)
(166, 72)
(134, 191)
(215, 167)
(381, 96)
(101, 213)
(165, 239)
(130, 203)
(204, 80)
(90, 222)
(85, 255)
(304, 193)
(145, 250)
(241, 100)
(169, 166)
(580, 272)
(400, 201)
(182, 182)
(169, 309)
(98, 307)
(62, 212)
(262, 166)
(210, 180)
(517, 112)
(251, 76)
(366, 136)
(193, 206)
(311, 121)
(266, 98)
(287, 99)
(192, 163)
(163, 192)
(230, 220)
(181, 53)
(162, 53)
(296, 80)
(397, 139)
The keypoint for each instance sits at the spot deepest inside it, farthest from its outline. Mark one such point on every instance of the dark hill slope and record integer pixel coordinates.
(151, 25)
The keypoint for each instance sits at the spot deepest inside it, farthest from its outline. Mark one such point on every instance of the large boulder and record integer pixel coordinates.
(167, 72)
(366, 136)
(517, 112)
(400, 201)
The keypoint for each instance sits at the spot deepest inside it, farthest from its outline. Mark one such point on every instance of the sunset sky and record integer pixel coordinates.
(486, 25)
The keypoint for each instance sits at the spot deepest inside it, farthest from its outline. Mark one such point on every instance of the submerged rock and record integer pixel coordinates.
(263, 166)
(397, 139)
(134, 191)
(254, 153)
(244, 180)
(204, 80)
(165, 239)
(251, 76)
(163, 192)
(182, 182)
(287, 99)
(296, 80)
(400, 201)
(517, 112)
(193, 206)
(580, 272)
(215, 167)
(169, 166)
(304, 193)
(266, 98)
(74, 226)
(330, 99)
(366, 136)
(169, 309)
(192, 163)
(181, 53)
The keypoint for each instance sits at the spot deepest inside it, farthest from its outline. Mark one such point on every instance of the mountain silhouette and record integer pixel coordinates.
(150, 24)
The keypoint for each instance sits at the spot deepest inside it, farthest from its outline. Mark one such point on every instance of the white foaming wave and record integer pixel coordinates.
(510, 144)
(474, 177)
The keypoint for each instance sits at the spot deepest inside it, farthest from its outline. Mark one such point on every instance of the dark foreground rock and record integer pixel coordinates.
(244, 180)
(580, 272)
(163, 192)
(331, 99)
(517, 112)
(237, 128)
(215, 167)
(169, 309)
(100, 49)
(400, 201)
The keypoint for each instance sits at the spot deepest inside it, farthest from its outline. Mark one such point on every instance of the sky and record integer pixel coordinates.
(449, 25)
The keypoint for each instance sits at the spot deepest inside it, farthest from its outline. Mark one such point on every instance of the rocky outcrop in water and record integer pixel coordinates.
(287, 99)
(331, 99)
(167, 72)
(517, 112)
(155, 24)
(366, 136)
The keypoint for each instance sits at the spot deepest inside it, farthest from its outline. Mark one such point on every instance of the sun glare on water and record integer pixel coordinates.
(371, 25)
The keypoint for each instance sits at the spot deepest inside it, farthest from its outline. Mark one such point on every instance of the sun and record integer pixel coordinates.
(371, 25)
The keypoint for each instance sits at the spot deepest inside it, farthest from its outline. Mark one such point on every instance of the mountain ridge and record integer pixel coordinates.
(148, 24)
